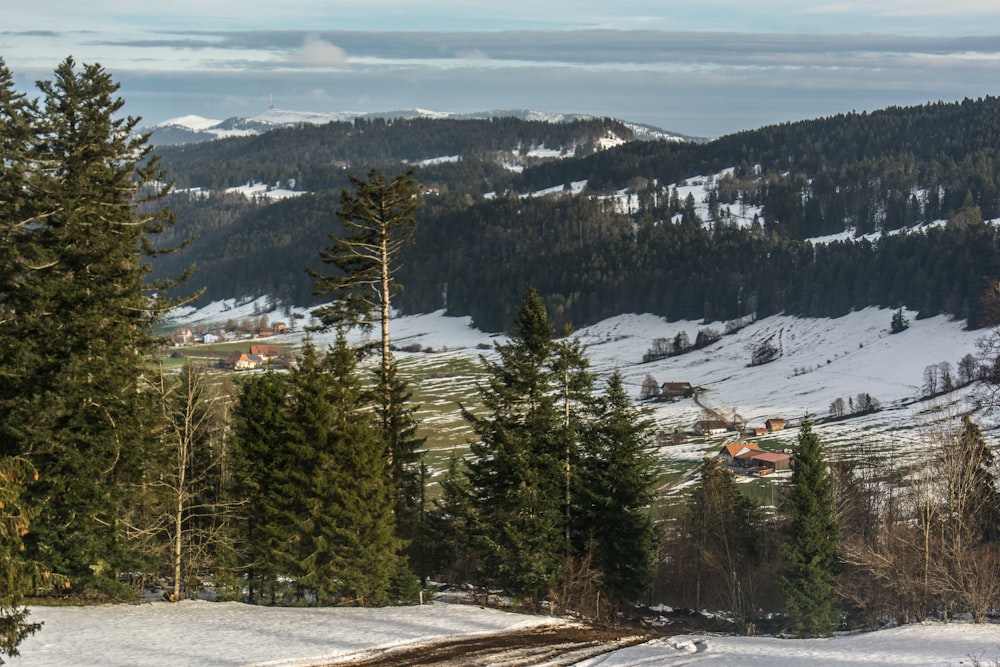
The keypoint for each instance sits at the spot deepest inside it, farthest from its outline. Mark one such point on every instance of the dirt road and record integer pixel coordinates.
(557, 645)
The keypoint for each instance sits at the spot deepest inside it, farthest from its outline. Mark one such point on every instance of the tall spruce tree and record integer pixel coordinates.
(812, 561)
(615, 488)
(516, 471)
(404, 452)
(82, 323)
(318, 488)
(975, 481)
(259, 421)
(369, 568)
(19, 577)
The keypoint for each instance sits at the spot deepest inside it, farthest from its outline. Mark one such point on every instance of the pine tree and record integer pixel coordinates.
(574, 386)
(976, 480)
(451, 551)
(19, 577)
(516, 471)
(377, 218)
(405, 447)
(812, 561)
(368, 565)
(83, 328)
(615, 481)
(259, 421)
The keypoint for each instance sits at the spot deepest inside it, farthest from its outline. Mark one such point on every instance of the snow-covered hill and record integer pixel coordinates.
(819, 361)
(193, 128)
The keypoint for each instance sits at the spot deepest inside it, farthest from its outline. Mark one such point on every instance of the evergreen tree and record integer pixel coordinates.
(368, 565)
(812, 561)
(18, 577)
(574, 385)
(516, 471)
(450, 522)
(83, 328)
(973, 490)
(378, 223)
(899, 322)
(615, 488)
(259, 421)
(308, 482)
(405, 470)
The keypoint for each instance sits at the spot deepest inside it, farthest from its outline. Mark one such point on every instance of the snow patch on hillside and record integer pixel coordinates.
(191, 122)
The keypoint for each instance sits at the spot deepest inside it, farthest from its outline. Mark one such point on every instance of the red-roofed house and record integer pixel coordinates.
(729, 453)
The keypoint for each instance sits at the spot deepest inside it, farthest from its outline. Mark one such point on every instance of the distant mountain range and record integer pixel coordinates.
(192, 128)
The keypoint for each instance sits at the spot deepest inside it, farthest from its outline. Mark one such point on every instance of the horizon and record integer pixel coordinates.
(705, 71)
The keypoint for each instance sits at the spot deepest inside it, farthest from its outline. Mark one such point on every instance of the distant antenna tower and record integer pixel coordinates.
(270, 100)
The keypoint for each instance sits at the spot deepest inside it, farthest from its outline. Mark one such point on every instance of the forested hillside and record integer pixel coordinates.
(744, 248)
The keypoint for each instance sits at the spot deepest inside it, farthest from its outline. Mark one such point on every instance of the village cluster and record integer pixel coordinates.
(258, 355)
(746, 457)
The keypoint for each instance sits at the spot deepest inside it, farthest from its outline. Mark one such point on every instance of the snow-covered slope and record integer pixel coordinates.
(193, 128)
(820, 361)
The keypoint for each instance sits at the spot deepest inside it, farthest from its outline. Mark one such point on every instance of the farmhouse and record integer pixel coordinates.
(267, 352)
(677, 390)
(729, 453)
(183, 336)
(774, 424)
(241, 361)
(712, 427)
(763, 462)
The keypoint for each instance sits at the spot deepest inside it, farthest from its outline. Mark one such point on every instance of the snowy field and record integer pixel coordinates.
(236, 635)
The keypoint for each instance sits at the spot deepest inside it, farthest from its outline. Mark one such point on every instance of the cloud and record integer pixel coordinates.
(317, 52)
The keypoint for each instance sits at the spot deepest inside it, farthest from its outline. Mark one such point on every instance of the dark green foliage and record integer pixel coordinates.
(259, 421)
(451, 553)
(474, 255)
(403, 452)
(314, 155)
(976, 479)
(558, 487)
(318, 486)
(377, 221)
(812, 561)
(78, 315)
(18, 576)
(517, 469)
(899, 322)
(615, 493)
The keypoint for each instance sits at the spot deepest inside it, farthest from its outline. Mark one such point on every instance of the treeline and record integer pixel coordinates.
(312, 156)
(590, 262)
(589, 258)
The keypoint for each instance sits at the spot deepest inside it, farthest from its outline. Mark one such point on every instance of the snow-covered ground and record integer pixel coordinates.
(820, 361)
(208, 634)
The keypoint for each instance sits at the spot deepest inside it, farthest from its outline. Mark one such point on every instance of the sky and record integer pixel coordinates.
(701, 69)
